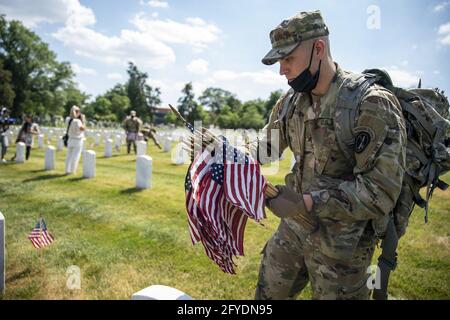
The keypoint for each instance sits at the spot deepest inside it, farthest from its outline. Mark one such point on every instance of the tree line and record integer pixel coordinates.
(33, 81)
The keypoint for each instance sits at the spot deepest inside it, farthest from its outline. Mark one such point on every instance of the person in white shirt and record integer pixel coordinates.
(76, 127)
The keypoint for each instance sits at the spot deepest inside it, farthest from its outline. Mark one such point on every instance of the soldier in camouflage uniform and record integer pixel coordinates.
(149, 133)
(350, 201)
(132, 125)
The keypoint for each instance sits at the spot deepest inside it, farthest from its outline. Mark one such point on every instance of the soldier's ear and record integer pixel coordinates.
(320, 48)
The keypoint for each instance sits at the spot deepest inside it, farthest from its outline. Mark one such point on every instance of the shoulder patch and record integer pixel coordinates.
(362, 140)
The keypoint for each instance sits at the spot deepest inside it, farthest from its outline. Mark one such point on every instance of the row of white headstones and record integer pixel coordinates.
(143, 161)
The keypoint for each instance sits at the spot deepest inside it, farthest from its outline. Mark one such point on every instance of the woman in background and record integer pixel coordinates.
(76, 127)
(25, 135)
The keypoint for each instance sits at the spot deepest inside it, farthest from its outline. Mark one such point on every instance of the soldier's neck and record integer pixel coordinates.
(327, 73)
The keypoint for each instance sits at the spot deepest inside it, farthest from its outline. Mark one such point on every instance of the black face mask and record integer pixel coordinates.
(305, 82)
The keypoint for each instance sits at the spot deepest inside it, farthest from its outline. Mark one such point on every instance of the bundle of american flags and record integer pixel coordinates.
(224, 188)
(39, 236)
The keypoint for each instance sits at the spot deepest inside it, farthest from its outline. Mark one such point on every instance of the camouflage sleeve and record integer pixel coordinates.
(271, 145)
(380, 153)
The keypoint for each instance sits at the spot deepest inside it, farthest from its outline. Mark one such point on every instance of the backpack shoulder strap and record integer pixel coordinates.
(350, 95)
(286, 103)
(68, 126)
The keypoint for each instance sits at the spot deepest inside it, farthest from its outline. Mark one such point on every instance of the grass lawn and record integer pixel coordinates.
(124, 240)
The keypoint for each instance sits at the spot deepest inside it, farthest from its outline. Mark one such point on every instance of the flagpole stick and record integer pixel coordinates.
(40, 237)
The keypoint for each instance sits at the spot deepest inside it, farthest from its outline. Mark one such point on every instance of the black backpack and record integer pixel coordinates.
(426, 113)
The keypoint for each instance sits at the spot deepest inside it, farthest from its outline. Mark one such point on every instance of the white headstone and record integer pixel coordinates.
(20, 152)
(167, 145)
(60, 145)
(97, 139)
(108, 148)
(88, 164)
(50, 135)
(141, 148)
(143, 172)
(2, 254)
(179, 155)
(40, 141)
(158, 292)
(50, 158)
(117, 141)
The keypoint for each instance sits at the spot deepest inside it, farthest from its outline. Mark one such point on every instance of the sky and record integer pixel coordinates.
(220, 43)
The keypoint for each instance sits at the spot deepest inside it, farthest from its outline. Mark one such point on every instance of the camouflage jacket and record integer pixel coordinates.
(346, 194)
(132, 125)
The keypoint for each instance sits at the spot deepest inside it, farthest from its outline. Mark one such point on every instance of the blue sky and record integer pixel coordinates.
(221, 43)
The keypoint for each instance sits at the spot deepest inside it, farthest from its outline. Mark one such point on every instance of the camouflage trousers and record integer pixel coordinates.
(292, 258)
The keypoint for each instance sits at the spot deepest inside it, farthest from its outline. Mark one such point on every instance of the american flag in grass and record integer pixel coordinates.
(39, 236)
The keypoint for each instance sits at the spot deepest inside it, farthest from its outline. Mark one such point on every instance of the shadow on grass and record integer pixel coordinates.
(112, 156)
(19, 275)
(46, 177)
(37, 171)
(131, 190)
(76, 179)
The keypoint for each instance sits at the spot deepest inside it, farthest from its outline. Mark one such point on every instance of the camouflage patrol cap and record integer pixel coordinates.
(292, 31)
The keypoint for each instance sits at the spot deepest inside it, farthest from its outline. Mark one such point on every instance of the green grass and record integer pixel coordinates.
(124, 240)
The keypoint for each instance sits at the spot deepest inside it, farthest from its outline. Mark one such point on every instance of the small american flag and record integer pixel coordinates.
(222, 191)
(39, 236)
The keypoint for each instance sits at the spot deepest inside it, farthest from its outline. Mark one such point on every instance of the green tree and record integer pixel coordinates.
(120, 103)
(228, 119)
(6, 90)
(270, 103)
(37, 78)
(250, 115)
(214, 99)
(143, 98)
(73, 96)
(189, 108)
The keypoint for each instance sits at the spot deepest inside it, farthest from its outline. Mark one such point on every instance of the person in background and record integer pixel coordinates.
(149, 133)
(4, 127)
(76, 127)
(25, 135)
(132, 125)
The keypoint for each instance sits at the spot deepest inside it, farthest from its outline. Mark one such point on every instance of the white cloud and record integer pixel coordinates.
(158, 4)
(444, 31)
(247, 85)
(147, 45)
(198, 66)
(114, 76)
(32, 13)
(196, 21)
(81, 70)
(169, 31)
(441, 6)
(264, 77)
(445, 40)
(403, 78)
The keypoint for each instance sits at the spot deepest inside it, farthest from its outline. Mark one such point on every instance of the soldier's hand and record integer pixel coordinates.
(288, 203)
